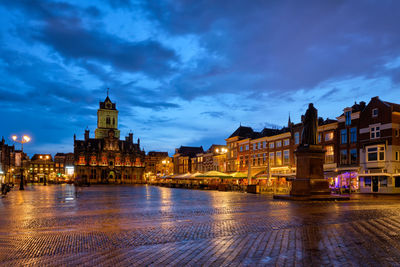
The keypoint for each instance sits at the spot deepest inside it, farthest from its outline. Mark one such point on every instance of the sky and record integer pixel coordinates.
(189, 72)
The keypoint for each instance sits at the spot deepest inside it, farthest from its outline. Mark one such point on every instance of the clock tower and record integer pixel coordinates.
(107, 119)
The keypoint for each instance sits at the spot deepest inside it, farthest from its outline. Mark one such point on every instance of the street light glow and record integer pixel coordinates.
(14, 137)
(27, 138)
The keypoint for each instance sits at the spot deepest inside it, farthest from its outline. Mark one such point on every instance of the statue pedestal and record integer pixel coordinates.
(310, 172)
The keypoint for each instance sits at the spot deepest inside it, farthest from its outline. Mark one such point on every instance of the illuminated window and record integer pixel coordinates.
(329, 136)
(329, 154)
(286, 142)
(82, 160)
(265, 144)
(279, 158)
(254, 146)
(278, 143)
(271, 145)
(272, 158)
(286, 157)
(247, 147)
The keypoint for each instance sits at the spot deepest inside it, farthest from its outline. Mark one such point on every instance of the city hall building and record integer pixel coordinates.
(106, 158)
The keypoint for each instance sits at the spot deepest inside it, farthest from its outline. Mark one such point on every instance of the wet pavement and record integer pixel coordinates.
(145, 225)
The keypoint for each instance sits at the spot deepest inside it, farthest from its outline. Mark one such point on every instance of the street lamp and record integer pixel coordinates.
(45, 161)
(24, 139)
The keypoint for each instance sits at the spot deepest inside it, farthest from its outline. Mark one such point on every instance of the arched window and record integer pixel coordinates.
(108, 120)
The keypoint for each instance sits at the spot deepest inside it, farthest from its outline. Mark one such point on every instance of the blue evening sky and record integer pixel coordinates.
(188, 72)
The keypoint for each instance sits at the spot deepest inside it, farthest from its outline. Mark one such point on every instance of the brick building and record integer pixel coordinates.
(183, 159)
(42, 168)
(106, 158)
(379, 143)
(158, 163)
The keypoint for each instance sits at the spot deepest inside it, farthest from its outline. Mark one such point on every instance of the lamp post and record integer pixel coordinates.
(24, 139)
(45, 161)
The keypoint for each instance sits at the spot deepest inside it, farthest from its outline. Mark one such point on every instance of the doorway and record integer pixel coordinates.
(375, 184)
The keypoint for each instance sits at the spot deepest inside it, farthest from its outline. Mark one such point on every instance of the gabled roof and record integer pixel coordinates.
(190, 151)
(396, 107)
(243, 131)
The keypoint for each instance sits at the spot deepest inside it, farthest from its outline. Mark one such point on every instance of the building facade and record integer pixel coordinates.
(158, 163)
(42, 169)
(379, 143)
(106, 158)
(185, 159)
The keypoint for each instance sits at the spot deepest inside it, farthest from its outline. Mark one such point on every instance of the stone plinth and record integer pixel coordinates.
(310, 172)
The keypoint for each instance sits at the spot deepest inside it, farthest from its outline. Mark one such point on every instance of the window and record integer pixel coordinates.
(329, 136)
(348, 118)
(279, 158)
(296, 138)
(241, 148)
(319, 137)
(329, 155)
(353, 156)
(265, 144)
(259, 145)
(271, 158)
(396, 156)
(343, 136)
(247, 147)
(286, 142)
(367, 181)
(375, 112)
(383, 181)
(264, 158)
(113, 121)
(254, 146)
(353, 135)
(343, 156)
(397, 181)
(376, 153)
(254, 160)
(108, 120)
(375, 132)
(286, 157)
(271, 145)
(396, 132)
(278, 143)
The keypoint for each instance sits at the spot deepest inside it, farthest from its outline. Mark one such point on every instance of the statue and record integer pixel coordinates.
(310, 122)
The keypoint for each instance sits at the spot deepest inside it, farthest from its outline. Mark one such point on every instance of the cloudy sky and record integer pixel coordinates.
(186, 72)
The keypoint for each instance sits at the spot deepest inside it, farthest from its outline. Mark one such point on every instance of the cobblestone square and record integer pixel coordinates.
(145, 225)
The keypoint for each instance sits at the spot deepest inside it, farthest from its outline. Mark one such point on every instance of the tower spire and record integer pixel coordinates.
(289, 121)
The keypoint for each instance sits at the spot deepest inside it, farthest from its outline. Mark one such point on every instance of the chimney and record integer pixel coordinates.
(86, 134)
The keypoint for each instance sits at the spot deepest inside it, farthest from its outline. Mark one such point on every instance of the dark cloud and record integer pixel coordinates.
(291, 45)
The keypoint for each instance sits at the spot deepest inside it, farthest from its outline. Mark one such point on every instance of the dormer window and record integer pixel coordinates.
(375, 112)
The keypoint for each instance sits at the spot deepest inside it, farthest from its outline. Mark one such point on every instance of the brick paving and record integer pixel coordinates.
(154, 226)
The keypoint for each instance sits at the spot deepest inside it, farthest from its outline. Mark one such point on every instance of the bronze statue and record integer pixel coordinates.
(310, 123)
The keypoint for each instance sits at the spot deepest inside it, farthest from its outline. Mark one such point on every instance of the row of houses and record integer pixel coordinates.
(362, 150)
(37, 169)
